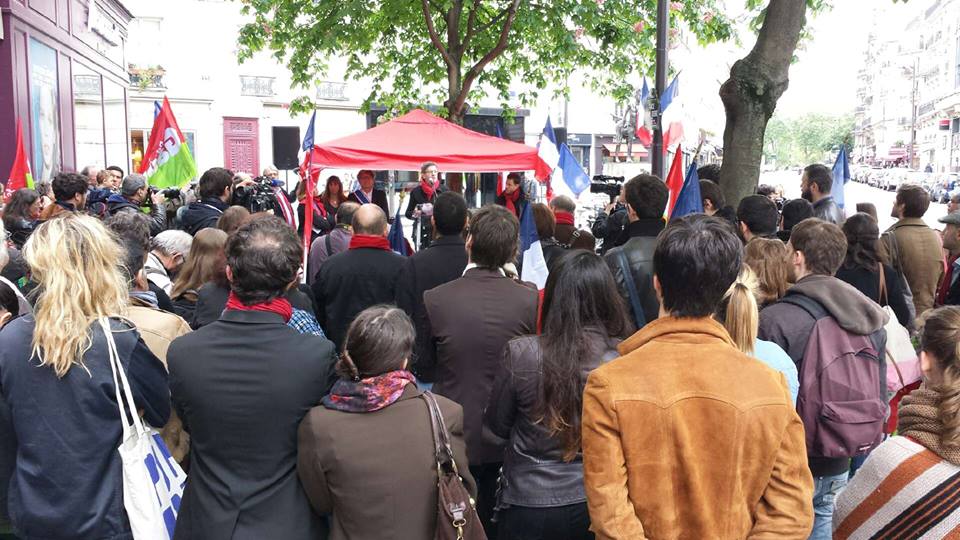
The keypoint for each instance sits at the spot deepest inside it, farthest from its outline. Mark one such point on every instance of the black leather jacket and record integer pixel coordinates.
(534, 473)
(639, 251)
(827, 210)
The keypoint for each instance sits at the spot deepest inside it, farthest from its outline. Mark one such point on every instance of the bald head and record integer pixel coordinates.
(370, 219)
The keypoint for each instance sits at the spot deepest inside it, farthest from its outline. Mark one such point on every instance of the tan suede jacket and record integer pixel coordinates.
(686, 437)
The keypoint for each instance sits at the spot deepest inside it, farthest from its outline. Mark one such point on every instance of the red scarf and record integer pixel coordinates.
(428, 188)
(511, 199)
(564, 218)
(318, 208)
(946, 282)
(281, 306)
(369, 241)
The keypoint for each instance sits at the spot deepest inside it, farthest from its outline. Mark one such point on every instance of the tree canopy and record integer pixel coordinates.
(454, 52)
(806, 139)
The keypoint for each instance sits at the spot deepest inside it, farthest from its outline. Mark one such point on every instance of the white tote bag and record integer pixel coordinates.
(153, 482)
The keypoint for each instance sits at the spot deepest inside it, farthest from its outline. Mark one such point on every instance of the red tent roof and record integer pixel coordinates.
(418, 136)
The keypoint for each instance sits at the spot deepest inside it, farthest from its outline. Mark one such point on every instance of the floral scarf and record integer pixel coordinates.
(368, 395)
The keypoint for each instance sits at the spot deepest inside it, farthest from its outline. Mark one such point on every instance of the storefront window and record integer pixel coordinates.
(115, 124)
(88, 117)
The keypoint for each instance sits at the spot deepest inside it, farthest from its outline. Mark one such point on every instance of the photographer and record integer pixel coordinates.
(134, 194)
(611, 224)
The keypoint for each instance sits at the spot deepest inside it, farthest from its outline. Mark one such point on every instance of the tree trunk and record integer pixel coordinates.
(750, 96)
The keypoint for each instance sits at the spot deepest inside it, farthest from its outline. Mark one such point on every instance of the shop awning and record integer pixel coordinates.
(406, 142)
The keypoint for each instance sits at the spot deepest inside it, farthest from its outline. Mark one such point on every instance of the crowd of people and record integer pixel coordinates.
(721, 375)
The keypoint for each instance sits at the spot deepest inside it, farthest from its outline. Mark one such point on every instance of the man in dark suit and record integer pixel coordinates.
(241, 386)
(442, 262)
(471, 319)
(365, 275)
(368, 194)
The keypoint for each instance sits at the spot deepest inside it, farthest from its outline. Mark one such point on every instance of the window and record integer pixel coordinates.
(115, 124)
(88, 116)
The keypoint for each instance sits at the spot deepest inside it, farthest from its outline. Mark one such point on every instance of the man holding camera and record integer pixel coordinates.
(135, 194)
(611, 223)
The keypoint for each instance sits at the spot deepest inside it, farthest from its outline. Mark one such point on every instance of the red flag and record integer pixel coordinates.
(20, 176)
(675, 180)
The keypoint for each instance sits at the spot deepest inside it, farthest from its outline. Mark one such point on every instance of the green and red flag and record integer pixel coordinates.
(167, 161)
(20, 176)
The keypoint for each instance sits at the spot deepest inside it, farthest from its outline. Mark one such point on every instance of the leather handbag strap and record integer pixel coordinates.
(883, 286)
(441, 438)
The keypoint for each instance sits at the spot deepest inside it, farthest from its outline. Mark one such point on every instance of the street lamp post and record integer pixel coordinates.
(663, 27)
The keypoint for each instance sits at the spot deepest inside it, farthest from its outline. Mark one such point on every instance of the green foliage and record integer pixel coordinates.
(808, 139)
(387, 45)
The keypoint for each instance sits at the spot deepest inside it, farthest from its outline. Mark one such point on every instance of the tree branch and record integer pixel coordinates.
(471, 25)
(471, 76)
(434, 38)
(499, 17)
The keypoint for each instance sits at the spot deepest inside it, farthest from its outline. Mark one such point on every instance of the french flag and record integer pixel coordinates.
(644, 135)
(548, 152)
(534, 266)
(671, 118)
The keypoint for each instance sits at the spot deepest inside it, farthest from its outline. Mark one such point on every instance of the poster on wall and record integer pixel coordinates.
(44, 111)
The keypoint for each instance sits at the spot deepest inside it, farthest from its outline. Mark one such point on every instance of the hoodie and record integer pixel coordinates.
(202, 214)
(790, 327)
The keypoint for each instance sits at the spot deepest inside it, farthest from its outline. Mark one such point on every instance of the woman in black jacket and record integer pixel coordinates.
(323, 222)
(864, 265)
(21, 215)
(58, 387)
(537, 398)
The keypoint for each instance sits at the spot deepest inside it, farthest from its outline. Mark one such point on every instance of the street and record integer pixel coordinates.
(855, 193)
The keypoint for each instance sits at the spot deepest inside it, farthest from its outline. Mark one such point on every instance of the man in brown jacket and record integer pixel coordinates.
(471, 320)
(684, 436)
(915, 249)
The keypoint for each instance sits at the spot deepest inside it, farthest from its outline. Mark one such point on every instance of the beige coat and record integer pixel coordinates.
(158, 329)
(916, 250)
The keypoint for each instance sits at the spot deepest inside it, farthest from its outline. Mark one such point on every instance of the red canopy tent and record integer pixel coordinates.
(406, 142)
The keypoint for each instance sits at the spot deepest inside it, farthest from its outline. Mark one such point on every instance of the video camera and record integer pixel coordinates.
(609, 185)
(256, 198)
(169, 193)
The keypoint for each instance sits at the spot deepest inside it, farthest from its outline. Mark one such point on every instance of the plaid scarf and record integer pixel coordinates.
(368, 395)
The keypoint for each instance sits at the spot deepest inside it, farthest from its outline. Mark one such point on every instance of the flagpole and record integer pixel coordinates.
(656, 148)
(308, 211)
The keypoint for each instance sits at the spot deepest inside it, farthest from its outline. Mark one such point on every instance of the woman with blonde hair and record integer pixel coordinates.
(739, 314)
(768, 260)
(909, 487)
(205, 263)
(56, 379)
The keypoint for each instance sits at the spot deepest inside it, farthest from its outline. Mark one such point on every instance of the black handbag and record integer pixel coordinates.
(457, 517)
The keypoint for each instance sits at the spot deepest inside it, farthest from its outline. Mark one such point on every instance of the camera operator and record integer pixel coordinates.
(134, 194)
(611, 224)
(216, 192)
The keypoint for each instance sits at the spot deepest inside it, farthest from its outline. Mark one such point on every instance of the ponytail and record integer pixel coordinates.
(738, 311)
(940, 337)
(949, 406)
(742, 317)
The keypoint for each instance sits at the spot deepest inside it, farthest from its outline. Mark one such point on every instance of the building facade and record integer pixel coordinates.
(64, 74)
(909, 91)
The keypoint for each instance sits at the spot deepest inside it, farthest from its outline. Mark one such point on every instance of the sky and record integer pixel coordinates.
(824, 80)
